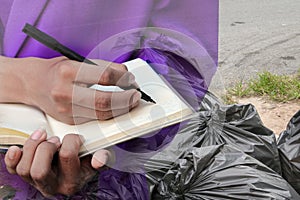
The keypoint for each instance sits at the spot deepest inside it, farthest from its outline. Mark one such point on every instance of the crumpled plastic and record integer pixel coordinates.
(289, 151)
(236, 125)
(224, 152)
(221, 172)
(241, 127)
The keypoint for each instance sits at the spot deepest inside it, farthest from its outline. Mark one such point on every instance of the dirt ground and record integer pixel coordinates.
(274, 115)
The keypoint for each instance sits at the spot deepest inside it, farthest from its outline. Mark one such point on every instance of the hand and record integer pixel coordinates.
(64, 174)
(60, 87)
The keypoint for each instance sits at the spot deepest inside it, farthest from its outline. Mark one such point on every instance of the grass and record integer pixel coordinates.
(279, 88)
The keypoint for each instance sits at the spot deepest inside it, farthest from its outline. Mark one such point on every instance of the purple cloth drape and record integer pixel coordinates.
(179, 39)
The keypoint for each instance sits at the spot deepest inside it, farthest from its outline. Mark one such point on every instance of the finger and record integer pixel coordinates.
(105, 101)
(106, 73)
(79, 114)
(29, 148)
(82, 114)
(69, 163)
(12, 158)
(114, 65)
(103, 158)
(41, 172)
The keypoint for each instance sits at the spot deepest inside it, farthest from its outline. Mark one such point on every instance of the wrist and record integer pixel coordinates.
(12, 88)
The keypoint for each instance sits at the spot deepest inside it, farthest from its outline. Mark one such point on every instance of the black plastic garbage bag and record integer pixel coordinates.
(239, 126)
(236, 125)
(221, 172)
(289, 151)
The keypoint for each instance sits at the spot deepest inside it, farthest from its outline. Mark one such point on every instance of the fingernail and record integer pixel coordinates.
(12, 154)
(54, 140)
(36, 135)
(100, 161)
(131, 80)
(136, 97)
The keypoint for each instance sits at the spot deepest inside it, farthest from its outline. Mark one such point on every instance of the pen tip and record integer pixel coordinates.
(145, 96)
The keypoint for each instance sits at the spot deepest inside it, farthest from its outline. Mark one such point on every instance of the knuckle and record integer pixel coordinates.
(104, 115)
(64, 109)
(123, 67)
(103, 103)
(72, 137)
(58, 95)
(22, 171)
(29, 146)
(44, 147)
(106, 76)
(66, 71)
(65, 155)
(38, 174)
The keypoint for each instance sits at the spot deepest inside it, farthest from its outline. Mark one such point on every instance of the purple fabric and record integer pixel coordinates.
(182, 45)
(81, 25)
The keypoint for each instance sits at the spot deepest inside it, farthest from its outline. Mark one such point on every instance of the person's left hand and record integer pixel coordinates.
(37, 163)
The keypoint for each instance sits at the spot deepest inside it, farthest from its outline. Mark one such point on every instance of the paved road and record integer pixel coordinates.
(257, 35)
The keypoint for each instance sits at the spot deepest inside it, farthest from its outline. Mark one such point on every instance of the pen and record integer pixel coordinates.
(56, 46)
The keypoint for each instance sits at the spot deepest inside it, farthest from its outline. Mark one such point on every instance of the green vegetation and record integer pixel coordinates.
(280, 88)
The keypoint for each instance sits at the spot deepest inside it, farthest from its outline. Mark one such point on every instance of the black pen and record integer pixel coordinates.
(56, 46)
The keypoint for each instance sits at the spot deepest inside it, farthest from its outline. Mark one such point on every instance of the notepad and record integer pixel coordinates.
(18, 121)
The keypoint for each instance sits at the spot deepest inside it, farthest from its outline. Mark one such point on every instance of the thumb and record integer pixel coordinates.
(102, 157)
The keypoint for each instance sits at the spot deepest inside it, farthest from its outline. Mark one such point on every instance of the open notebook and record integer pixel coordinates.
(18, 121)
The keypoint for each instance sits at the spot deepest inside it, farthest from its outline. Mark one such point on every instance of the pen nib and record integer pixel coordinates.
(145, 96)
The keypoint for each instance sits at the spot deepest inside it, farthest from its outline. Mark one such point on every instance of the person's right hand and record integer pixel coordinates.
(60, 87)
